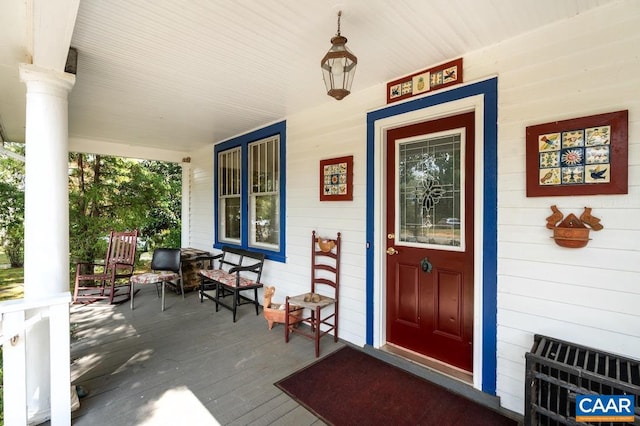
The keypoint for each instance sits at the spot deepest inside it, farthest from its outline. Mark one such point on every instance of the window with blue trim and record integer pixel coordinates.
(249, 190)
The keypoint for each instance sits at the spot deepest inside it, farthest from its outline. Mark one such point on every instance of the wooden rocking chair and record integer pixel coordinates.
(112, 280)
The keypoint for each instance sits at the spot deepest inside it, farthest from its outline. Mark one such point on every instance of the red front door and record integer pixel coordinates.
(429, 281)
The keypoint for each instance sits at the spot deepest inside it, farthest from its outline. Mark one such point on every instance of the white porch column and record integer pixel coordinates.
(46, 220)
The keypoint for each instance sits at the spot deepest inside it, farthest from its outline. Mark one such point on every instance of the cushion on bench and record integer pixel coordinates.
(226, 278)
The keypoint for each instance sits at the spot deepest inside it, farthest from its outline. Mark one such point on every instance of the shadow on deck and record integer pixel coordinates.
(186, 365)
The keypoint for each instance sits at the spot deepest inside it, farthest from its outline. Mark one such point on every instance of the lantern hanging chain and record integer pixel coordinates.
(339, 15)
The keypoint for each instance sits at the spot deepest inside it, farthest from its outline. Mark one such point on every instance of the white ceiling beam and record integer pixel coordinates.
(52, 26)
(123, 149)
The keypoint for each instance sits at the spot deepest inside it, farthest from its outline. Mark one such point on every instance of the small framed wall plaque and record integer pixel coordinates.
(336, 179)
(580, 156)
(428, 80)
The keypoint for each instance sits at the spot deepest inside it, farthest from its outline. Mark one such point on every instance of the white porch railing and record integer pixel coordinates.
(17, 319)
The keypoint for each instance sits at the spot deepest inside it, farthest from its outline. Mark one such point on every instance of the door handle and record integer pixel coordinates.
(391, 251)
(425, 265)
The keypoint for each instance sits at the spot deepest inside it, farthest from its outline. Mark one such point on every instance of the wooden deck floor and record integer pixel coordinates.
(190, 365)
(186, 365)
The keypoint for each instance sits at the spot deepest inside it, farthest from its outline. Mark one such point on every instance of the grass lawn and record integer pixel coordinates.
(11, 280)
(11, 283)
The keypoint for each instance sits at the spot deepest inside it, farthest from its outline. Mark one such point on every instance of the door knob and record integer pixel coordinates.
(425, 265)
(391, 251)
(391, 236)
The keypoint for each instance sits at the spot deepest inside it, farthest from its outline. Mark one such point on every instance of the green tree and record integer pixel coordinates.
(12, 205)
(116, 193)
(163, 224)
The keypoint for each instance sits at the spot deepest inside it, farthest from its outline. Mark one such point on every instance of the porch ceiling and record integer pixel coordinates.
(179, 75)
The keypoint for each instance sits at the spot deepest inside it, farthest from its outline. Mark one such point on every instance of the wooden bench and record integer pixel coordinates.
(237, 271)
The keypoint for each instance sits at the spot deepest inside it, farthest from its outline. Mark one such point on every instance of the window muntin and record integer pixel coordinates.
(264, 198)
(229, 195)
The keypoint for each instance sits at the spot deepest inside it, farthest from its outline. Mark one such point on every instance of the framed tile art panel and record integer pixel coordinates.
(336, 179)
(579, 156)
(435, 78)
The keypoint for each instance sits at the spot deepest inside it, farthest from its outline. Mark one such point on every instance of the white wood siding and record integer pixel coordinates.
(201, 200)
(583, 66)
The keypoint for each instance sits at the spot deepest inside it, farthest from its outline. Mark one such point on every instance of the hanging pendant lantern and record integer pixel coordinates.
(338, 66)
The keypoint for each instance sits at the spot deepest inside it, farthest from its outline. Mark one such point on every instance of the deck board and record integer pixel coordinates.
(186, 365)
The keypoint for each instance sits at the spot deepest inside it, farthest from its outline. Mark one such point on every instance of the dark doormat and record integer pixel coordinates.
(350, 387)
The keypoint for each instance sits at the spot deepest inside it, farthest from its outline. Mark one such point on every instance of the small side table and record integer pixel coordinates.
(192, 262)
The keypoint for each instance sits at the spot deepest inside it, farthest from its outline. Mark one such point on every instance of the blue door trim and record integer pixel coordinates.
(489, 89)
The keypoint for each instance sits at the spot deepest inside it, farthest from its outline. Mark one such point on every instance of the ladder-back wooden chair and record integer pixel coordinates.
(325, 286)
(108, 280)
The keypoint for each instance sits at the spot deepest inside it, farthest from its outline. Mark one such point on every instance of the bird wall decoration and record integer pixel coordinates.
(571, 231)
